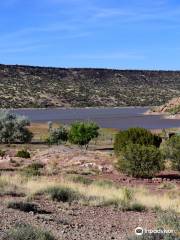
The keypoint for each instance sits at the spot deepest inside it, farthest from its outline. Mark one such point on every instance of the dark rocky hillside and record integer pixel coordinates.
(25, 86)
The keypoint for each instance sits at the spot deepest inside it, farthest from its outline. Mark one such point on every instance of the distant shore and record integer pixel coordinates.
(164, 114)
(67, 108)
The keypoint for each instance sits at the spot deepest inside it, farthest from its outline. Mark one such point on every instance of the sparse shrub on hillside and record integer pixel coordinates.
(81, 133)
(27, 232)
(33, 169)
(23, 154)
(80, 179)
(171, 149)
(2, 153)
(57, 135)
(136, 136)
(23, 206)
(62, 194)
(13, 128)
(140, 161)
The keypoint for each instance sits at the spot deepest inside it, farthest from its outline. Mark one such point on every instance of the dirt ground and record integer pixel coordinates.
(73, 221)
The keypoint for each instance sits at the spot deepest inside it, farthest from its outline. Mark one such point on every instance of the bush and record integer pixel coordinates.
(62, 194)
(33, 169)
(2, 153)
(57, 135)
(13, 128)
(140, 161)
(136, 207)
(136, 136)
(80, 179)
(23, 206)
(27, 232)
(81, 133)
(23, 154)
(171, 150)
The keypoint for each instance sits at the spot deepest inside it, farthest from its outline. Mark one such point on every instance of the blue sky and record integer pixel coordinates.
(122, 34)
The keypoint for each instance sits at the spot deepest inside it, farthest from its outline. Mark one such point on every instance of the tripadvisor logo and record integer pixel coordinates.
(139, 231)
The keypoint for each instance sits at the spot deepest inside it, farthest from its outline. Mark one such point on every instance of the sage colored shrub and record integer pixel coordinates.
(58, 135)
(23, 154)
(33, 169)
(27, 232)
(139, 136)
(171, 149)
(13, 128)
(140, 161)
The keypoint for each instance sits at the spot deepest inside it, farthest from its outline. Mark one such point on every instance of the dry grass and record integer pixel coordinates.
(96, 194)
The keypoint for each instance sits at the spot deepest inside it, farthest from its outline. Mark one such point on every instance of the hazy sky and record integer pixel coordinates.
(136, 34)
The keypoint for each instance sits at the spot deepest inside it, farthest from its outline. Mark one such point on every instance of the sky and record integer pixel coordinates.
(119, 34)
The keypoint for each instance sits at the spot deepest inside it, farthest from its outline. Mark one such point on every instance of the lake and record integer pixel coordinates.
(120, 118)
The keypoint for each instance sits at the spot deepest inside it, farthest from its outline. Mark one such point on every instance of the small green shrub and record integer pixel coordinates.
(33, 169)
(23, 206)
(167, 185)
(27, 232)
(81, 133)
(2, 153)
(13, 128)
(62, 194)
(57, 135)
(80, 179)
(136, 207)
(140, 161)
(139, 136)
(105, 183)
(23, 154)
(171, 149)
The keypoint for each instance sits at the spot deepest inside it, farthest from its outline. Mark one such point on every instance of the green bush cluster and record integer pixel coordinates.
(141, 161)
(23, 154)
(135, 136)
(171, 149)
(13, 128)
(138, 152)
(27, 232)
(23, 206)
(2, 153)
(79, 133)
(57, 135)
(33, 169)
(62, 194)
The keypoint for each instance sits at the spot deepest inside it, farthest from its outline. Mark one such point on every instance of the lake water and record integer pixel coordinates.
(120, 118)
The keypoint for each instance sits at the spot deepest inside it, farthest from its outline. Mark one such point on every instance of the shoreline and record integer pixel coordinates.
(70, 108)
(165, 115)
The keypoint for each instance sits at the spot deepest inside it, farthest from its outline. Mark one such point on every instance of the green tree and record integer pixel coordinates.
(136, 136)
(58, 135)
(81, 133)
(13, 128)
(171, 149)
(140, 161)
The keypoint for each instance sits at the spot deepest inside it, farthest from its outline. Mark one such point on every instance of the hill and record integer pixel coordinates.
(172, 107)
(27, 86)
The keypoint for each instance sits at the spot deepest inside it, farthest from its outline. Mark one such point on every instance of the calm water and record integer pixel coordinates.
(120, 118)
